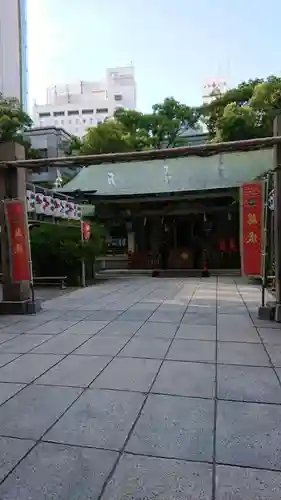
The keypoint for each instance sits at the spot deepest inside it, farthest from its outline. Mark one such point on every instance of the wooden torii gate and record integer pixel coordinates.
(17, 294)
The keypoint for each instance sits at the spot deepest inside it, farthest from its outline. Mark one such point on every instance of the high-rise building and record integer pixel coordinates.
(13, 50)
(81, 105)
(214, 89)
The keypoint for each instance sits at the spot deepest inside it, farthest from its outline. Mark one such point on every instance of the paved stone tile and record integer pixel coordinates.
(86, 327)
(75, 371)
(274, 352)
(18, 328)
(237, 321)
(135, 315)
(196, 332)
(166, 316)
(101, 419)
(238, 334)
(234, 309)
(248, 383)
(53, 471)
(139, 347)
(130, 374)
(27, 367)
(75, 315)
(270, 335)
(31, 412)
(53, 327)
(161, 330)
(148, 478)
(100, 345)
(237, 483)
(192, 350)
(8, 390)
(186, 379)
(9, 336)
(248, 434)
(23, 343)
(199, 319)
(11, 452)
(174, 427)
(7, 358)
(238, 353)
(145, 306)
(126, 328)
(103, 315)
(61, 344)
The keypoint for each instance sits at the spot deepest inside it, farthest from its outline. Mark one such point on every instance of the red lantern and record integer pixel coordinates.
(86, 231)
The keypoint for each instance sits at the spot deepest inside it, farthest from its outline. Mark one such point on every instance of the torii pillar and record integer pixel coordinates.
(16, 296)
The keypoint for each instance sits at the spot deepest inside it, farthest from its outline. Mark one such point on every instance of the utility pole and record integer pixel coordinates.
(277, 216)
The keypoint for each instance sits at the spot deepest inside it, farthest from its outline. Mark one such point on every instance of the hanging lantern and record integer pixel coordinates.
(57, 208)
(30, 201)
(48, 206)
(39, 206)
(86, 231)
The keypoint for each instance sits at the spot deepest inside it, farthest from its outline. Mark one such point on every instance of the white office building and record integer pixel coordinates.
(81, 105)
(13, 50)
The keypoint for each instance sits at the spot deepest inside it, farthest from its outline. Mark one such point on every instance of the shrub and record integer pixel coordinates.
(57, 250)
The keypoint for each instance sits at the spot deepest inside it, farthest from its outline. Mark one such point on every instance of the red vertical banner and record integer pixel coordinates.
(18, 238)
(251, 228)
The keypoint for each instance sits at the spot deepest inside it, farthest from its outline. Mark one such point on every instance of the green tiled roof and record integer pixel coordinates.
(192, 173)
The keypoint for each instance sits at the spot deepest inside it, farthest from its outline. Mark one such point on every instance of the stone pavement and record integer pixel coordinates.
(142, 389)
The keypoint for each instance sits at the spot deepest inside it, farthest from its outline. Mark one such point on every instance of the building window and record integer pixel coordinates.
(118, 97)
(58, 113)
(87, 111)
(69, 122)
(44, 115)
(56, 122)
(62, 122)
(91, 120)
(84, 121)
(102, 110)
(73, 112)
(77, 121)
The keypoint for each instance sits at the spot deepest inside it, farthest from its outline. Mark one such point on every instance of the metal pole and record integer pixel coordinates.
(265, 240)
(83, 269)
(277, 217)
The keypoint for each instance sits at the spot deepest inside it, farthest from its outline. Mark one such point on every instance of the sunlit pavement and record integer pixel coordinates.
(142, 389)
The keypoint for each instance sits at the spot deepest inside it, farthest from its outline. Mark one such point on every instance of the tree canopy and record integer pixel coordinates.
(13, 120)
(135, 131)
(244, 112)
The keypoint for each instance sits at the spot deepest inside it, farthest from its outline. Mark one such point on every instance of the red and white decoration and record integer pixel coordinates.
(48, 206)
(52, 207)
(39, 203)
(30, 201)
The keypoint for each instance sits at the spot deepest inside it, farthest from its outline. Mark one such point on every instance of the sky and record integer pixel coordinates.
(176, 46)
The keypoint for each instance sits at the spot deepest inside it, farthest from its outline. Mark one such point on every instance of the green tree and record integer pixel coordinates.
(162, 127)
(13, 120)
(169, 120)
(107, 137)
(244, 112)
(131, 130)
(137, 127)
(75, 146)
